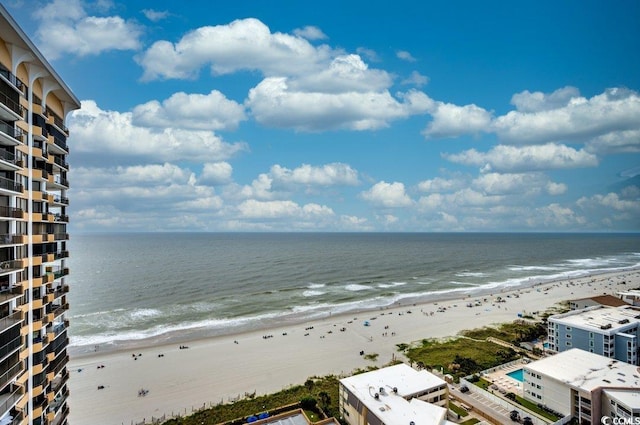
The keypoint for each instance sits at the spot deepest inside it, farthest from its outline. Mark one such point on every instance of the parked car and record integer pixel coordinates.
(464, 389)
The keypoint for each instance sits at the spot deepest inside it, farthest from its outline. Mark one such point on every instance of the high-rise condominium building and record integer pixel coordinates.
(33, 233)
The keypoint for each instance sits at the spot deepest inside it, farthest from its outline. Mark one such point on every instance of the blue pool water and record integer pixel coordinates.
(517, 375)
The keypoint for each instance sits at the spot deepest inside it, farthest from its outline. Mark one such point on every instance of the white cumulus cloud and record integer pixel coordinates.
(244, 44)
(65, 27)
(503, 158)
(451, 120)
(387, 195)
(212, 111)
(101, 132)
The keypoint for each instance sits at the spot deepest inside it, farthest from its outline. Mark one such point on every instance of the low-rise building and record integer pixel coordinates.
(585, 385)
(394, 395)
(632, 296)
(606, 300)
(612, 332)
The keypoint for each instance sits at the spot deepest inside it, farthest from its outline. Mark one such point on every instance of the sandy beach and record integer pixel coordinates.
(105, 386)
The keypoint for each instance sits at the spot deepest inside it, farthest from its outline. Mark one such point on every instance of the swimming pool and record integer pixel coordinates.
(518, 375)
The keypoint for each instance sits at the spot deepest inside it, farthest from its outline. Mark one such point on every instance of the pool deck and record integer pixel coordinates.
(503, 383)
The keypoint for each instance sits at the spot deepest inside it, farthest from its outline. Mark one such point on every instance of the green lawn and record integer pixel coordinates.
(458, 410)
(534, 408)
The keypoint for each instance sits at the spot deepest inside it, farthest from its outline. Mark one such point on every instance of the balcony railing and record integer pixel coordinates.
(57, 120)
(10, 374)
(61, 416)
(61, 217)
(10, 320)
(16, 132)
(17, 418)
(9, 76)
(10, 185)
(57, 383)
(11, 104)
(7, 401)
(61, 180)
(61, 144)
(61, 162)
(61, 200)
(57, 274)
(10, 347)
(10, 265)
(58, 364)
(10, 212)
(61, 254)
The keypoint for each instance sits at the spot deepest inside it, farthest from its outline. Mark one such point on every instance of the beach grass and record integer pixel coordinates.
(459, 356)
(324, 390)
(513, 332)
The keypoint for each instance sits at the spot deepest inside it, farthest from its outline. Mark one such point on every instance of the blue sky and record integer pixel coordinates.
(348, 116)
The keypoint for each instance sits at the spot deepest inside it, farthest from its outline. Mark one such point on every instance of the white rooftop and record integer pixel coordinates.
(391, 407)
(587, 371)
(630, 398)
(600, 318)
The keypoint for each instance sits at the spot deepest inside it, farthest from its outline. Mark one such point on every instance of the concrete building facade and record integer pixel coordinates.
(612, 332)
(585, 385)
(393, 395)
(34, 102)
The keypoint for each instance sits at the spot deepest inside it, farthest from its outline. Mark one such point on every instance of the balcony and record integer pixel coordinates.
(10, 347)
(10, 136)
(10, 374)
(8, 400)
(60, 272)
(57, 182)
(7, 185)
(10, 108)
(61, 237)
(62, 218)
(61, 254)
(61, 415)
(58, 363)
(10, 212)
(60, 380)
(10, 266)
(9, 321)
(60, 200)
(61, 162)
(57, 121)
(12, 80)
(10, 239)
(7, 294)
(61, 146)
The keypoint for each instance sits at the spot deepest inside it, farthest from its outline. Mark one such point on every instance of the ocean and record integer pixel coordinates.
(129, 289)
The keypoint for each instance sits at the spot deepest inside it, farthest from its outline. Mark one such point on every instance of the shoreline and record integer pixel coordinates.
(200, 333)
(215, 369)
